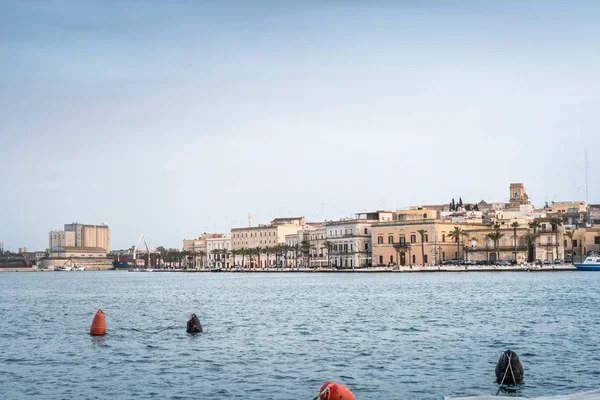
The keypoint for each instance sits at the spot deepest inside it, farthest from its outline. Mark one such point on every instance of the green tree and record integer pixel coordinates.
(531, 237)
(456, 234)
(327, 245)
(495, 237)
(570, 235)
(555, 223)
(306, 247)
(297, 249)
(422, 233)
(515, 225)
(234, 254)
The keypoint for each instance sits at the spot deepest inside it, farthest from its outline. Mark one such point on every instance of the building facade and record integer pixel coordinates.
(218, 251)
(61, 238)
(350, 238)
(90, 235)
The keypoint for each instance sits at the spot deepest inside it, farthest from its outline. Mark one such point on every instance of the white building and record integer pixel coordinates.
(351, 238)
(309, 243)
(216, 256)
(61, 238)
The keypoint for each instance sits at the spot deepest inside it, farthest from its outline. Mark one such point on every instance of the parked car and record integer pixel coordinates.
(504, 262)
(568, 259)
(558, 261)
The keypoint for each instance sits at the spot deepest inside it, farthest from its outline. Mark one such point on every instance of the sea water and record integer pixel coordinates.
(282, 335)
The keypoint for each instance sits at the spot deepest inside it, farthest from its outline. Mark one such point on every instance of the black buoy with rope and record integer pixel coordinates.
(509, 369)
(193, 325)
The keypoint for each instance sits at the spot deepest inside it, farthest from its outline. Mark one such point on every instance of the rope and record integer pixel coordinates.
(326, 390)
(505, 372)
(140, 330)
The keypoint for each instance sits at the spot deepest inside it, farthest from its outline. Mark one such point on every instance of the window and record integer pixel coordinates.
(391, 259)
(413, 238)
(597, 240)
(443, 238)
(366, 231)
(379, 239)
(425, 259)
(390, 239)
(380, 259)
(443, 255)
(351, 246)
(366, 246)
(575, 243)
(425, 216)
(425, 238)
(402, 239)
(330, 232)
(346, 231)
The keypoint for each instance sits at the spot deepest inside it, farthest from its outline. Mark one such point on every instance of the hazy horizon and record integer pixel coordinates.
(177, 118)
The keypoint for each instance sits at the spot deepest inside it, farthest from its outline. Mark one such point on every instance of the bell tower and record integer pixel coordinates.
(518, 195)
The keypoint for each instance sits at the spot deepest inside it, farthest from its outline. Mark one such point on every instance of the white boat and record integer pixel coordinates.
(591, 263)
(80, 268)
(67, 268)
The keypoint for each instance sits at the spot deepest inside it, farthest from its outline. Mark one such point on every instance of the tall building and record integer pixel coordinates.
(82, 235)
(61, 238)
(518, 195)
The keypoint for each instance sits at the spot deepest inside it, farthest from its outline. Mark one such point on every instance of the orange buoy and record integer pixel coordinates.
(335, 391)
(98, 324)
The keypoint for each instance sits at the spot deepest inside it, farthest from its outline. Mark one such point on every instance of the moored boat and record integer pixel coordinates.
(121, 265)
(591, 263)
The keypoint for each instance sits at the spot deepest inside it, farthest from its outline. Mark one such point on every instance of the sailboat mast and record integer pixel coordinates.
(586, 178)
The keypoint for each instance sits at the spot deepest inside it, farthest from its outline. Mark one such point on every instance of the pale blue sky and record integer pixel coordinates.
(180, 117)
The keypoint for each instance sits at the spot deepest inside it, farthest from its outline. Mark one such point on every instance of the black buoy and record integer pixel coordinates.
(193, 324)
(509, 369)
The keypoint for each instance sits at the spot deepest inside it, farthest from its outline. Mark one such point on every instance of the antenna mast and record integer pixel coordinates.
(586, 178)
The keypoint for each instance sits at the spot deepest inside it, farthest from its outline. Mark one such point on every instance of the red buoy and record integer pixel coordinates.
(335, 391)
(98, 324)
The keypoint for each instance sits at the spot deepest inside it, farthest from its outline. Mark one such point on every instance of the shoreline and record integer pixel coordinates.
(403, 269)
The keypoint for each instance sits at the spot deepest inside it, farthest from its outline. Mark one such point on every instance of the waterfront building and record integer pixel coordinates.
(67, 252)
(308, 246)
(431, 242)
(89, 235)
(585, 240)
(61, 238)
(218, 250)
(350, 238)
(267, 236)
(197, 249)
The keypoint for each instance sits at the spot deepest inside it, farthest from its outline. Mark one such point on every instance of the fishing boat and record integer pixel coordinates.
(591, 263)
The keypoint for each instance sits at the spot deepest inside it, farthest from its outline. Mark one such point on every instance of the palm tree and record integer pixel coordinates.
(306, 246)
(570, 235)
(297, 249)
(243, 251)
(328, 246)
(495, 237)
(555, 223)
(535, 225)
(515, 225)
(257, 251)
(422, 233)
(456, 234)
(268, 250)
(234, 253)
(531, 237)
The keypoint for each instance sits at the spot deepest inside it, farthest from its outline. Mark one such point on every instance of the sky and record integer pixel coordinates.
(175, 118)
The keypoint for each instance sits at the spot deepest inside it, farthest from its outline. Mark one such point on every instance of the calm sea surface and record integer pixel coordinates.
(280, 336)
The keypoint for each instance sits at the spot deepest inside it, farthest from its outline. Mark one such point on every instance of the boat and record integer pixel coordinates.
(591, 263)
(79, 268)
(121, 265)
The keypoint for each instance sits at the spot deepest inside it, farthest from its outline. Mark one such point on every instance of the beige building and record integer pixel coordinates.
(402, 243)
(264, 236)
(310, 243)
(563, 207)
(77, 252)
(584, 240)
(90, 235)
(61, 238)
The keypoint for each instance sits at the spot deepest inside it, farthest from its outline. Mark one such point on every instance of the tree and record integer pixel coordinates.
(234, 253)
(531, 237)
(306, 247)
(515, 225)
(570, 235)
(328, 246)
(495, 237)
(243, 251)
(534, 225)
(452, 205)
(422, 233)
(456, 234)
(555, 223)
(297, 249)
(476, 207)
(460, 203)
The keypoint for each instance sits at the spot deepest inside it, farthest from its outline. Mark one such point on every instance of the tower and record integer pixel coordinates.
(249, 220)
(518, 195)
